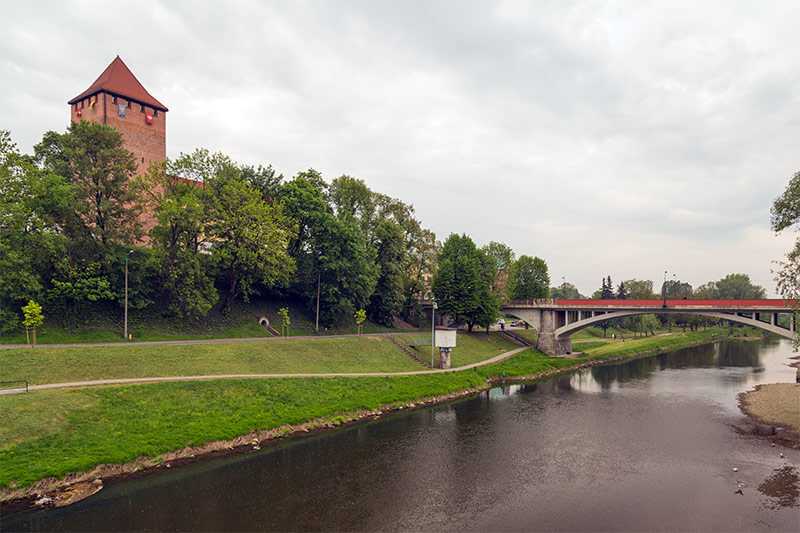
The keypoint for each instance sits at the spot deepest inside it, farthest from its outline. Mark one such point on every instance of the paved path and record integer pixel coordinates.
(126, 381)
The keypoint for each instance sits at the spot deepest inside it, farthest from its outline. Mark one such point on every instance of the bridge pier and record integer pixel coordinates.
(548, 341)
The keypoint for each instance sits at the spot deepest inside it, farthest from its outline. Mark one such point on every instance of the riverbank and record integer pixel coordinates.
(775, 405)
(367, 399)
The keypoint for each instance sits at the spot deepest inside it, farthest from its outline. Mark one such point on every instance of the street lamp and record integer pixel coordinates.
(125, 327)
(434, 307)
(563, 287)
(664, 289)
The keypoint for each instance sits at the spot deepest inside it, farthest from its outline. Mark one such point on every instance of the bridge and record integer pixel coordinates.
(556, 320)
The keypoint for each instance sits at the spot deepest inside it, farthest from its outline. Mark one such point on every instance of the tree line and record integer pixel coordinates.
(74, 211)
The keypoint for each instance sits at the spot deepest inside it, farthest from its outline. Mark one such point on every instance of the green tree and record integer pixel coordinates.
(503, 257)
(737, 287)
(528, 279)
(566, 291)
(249, 237)
(177, 237)
(262, 179)
(639, 289)
(461, 284)
(350, 197)
(92, 158)
(32, 204)
(386, 301)
(622, 292)
(607, 290)
(360, 316)
(283, 313)
(785, 213)
(33, 317)
(346, 269)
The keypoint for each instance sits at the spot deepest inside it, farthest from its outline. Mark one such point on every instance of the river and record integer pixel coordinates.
(649, 444)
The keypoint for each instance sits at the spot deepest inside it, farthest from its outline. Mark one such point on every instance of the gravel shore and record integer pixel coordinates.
(775, 404)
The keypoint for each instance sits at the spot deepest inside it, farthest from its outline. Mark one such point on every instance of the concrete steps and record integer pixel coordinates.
(408, 352)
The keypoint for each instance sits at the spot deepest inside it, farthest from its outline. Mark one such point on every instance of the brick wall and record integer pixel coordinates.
(148, 142)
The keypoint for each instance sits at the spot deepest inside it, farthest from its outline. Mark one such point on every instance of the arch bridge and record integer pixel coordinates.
(556, 320)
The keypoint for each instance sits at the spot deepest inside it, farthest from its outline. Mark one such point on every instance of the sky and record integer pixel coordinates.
(608, 138)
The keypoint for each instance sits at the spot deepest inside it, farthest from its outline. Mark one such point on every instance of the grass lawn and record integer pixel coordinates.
(58, 365)
(44, 364)
(597, 349)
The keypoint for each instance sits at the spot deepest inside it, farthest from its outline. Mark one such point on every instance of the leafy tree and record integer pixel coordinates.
(528, 279)
(249, 237)
(92, 158)
(566, 291)
(460, 284)
(262, 179)
(639, 289)
(33, 317)
(177, 201)
(360, 316)
(737, 287)
(502, 254)
(503, 257)
(785, 213)
(386, 301)
(283, 313)
(304, 198)
(32, 202)
(79, 286)
(346, 269)
(351, 197)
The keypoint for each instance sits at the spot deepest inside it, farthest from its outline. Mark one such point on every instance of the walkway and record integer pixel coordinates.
(129, 381)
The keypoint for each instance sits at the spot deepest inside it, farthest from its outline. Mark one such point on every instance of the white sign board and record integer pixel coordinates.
(445, 337)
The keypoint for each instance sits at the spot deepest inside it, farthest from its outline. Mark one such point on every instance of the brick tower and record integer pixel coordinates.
(117, 99)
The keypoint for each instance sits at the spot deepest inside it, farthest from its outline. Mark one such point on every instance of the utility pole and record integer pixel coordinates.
(125, 326)
(433, 322)
(316, 327)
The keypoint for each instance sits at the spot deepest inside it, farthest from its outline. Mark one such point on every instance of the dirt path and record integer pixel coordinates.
(127, 381)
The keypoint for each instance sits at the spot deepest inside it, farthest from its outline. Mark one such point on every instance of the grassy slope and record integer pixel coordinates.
(238, 322)
(58, 365)
(629, 346)
(51, 433)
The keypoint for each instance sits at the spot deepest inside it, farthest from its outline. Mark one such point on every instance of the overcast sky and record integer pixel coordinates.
(608, 138)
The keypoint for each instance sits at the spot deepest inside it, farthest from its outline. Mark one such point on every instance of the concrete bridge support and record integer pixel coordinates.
(548, 341)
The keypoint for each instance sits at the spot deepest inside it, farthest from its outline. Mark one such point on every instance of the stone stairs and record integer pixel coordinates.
(408, 352)
(514, 338)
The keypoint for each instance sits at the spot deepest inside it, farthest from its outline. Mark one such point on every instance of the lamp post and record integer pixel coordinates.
(125, 327)
(434, 307)
(563, 287)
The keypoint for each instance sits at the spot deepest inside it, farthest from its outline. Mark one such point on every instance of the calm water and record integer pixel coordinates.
(644, 445)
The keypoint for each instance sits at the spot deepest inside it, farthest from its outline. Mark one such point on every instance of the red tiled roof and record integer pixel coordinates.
(118, 80)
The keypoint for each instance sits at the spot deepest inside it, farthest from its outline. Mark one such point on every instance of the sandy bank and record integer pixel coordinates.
(775, 404)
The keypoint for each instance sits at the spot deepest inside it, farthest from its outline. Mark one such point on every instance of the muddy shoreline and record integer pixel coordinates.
(76, 486)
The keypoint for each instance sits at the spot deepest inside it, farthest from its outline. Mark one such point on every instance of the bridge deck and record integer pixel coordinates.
(762, 304)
